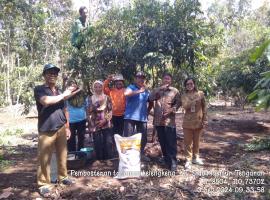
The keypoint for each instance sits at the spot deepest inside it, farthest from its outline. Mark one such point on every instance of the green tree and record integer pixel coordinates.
(148, 35)
(241, 30)
(32, 33)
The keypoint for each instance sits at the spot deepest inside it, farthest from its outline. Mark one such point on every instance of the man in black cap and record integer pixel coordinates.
(52, 127)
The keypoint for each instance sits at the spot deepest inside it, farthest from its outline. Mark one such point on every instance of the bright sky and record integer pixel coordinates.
(254, 3)
(205, 3)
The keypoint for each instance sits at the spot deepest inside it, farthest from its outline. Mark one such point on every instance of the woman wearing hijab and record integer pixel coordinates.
(99, 118)
(194, 121)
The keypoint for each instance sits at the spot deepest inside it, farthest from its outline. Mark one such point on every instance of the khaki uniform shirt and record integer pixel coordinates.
(195, 110)
(165, 100)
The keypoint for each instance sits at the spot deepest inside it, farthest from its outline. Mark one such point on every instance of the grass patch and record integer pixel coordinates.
(258, 144)
(6, 136)
(8, 132)
(4, 163)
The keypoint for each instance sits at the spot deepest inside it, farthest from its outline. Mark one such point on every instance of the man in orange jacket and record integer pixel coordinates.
(118, 101)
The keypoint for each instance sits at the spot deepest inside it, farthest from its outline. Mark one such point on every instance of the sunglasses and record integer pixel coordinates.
(55, 73)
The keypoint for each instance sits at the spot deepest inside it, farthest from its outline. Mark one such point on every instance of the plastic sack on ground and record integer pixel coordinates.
(129, 156)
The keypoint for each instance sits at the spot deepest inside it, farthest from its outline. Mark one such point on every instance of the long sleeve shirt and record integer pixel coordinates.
(95, 115)
(166, 100)
(118, 98)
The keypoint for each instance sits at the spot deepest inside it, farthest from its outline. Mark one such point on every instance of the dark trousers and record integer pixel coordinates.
(132, 127)
(118, 124)
(103, 143)
(76, 129)
(168, 143)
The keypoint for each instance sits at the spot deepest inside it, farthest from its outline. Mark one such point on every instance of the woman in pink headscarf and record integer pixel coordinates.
(99, 118)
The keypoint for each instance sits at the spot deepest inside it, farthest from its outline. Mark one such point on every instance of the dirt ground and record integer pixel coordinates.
(229, 172)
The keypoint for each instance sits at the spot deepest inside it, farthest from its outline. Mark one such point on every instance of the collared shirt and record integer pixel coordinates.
(195, 110)
(165, 100)
(136, 106)
(118, 99)
(52, 117)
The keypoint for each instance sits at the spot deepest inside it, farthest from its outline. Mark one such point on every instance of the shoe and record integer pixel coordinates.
(145, 158)
(173, 168)
(187, 165)
(54, 181)
(162, 161)
(197, 161)
(67, 181)
(45, 191)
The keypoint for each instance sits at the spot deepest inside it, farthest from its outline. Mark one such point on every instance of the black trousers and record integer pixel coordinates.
(168, 143)
(103, 144)
(132, 127)
(76, 129)
(118, 124)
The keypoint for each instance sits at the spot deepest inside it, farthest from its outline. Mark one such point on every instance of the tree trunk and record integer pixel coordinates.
(21, 83)
(8, 102)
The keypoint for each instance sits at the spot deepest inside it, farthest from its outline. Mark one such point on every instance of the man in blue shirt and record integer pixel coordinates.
(137, 108)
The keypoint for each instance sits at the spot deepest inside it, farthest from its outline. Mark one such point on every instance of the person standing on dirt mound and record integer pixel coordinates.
(135, 120)
(168, 101)
(53, 128)
(118, 101)
(194, 121)
(77, 107)
(99, 121)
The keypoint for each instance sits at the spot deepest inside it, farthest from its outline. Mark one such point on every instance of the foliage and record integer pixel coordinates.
(241, 31)
(32, 33)
(258, 144)
(154, 36)
(8, 132)
(259, 51)
(261, 94)
(238, 78)
(150, 36)
(4, 164)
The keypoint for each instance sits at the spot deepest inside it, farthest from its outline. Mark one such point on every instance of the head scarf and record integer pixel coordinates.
(99, 98)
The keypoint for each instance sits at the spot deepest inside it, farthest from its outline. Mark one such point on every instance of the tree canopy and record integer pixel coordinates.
(155, 36)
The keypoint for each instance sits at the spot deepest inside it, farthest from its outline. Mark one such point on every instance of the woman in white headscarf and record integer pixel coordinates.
(99, 118)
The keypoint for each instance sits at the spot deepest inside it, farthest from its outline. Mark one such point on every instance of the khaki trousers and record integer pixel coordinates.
(192, 142)
(47, 142)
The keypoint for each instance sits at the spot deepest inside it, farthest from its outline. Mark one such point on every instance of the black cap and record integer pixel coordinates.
(140, 74)
(50, 66)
